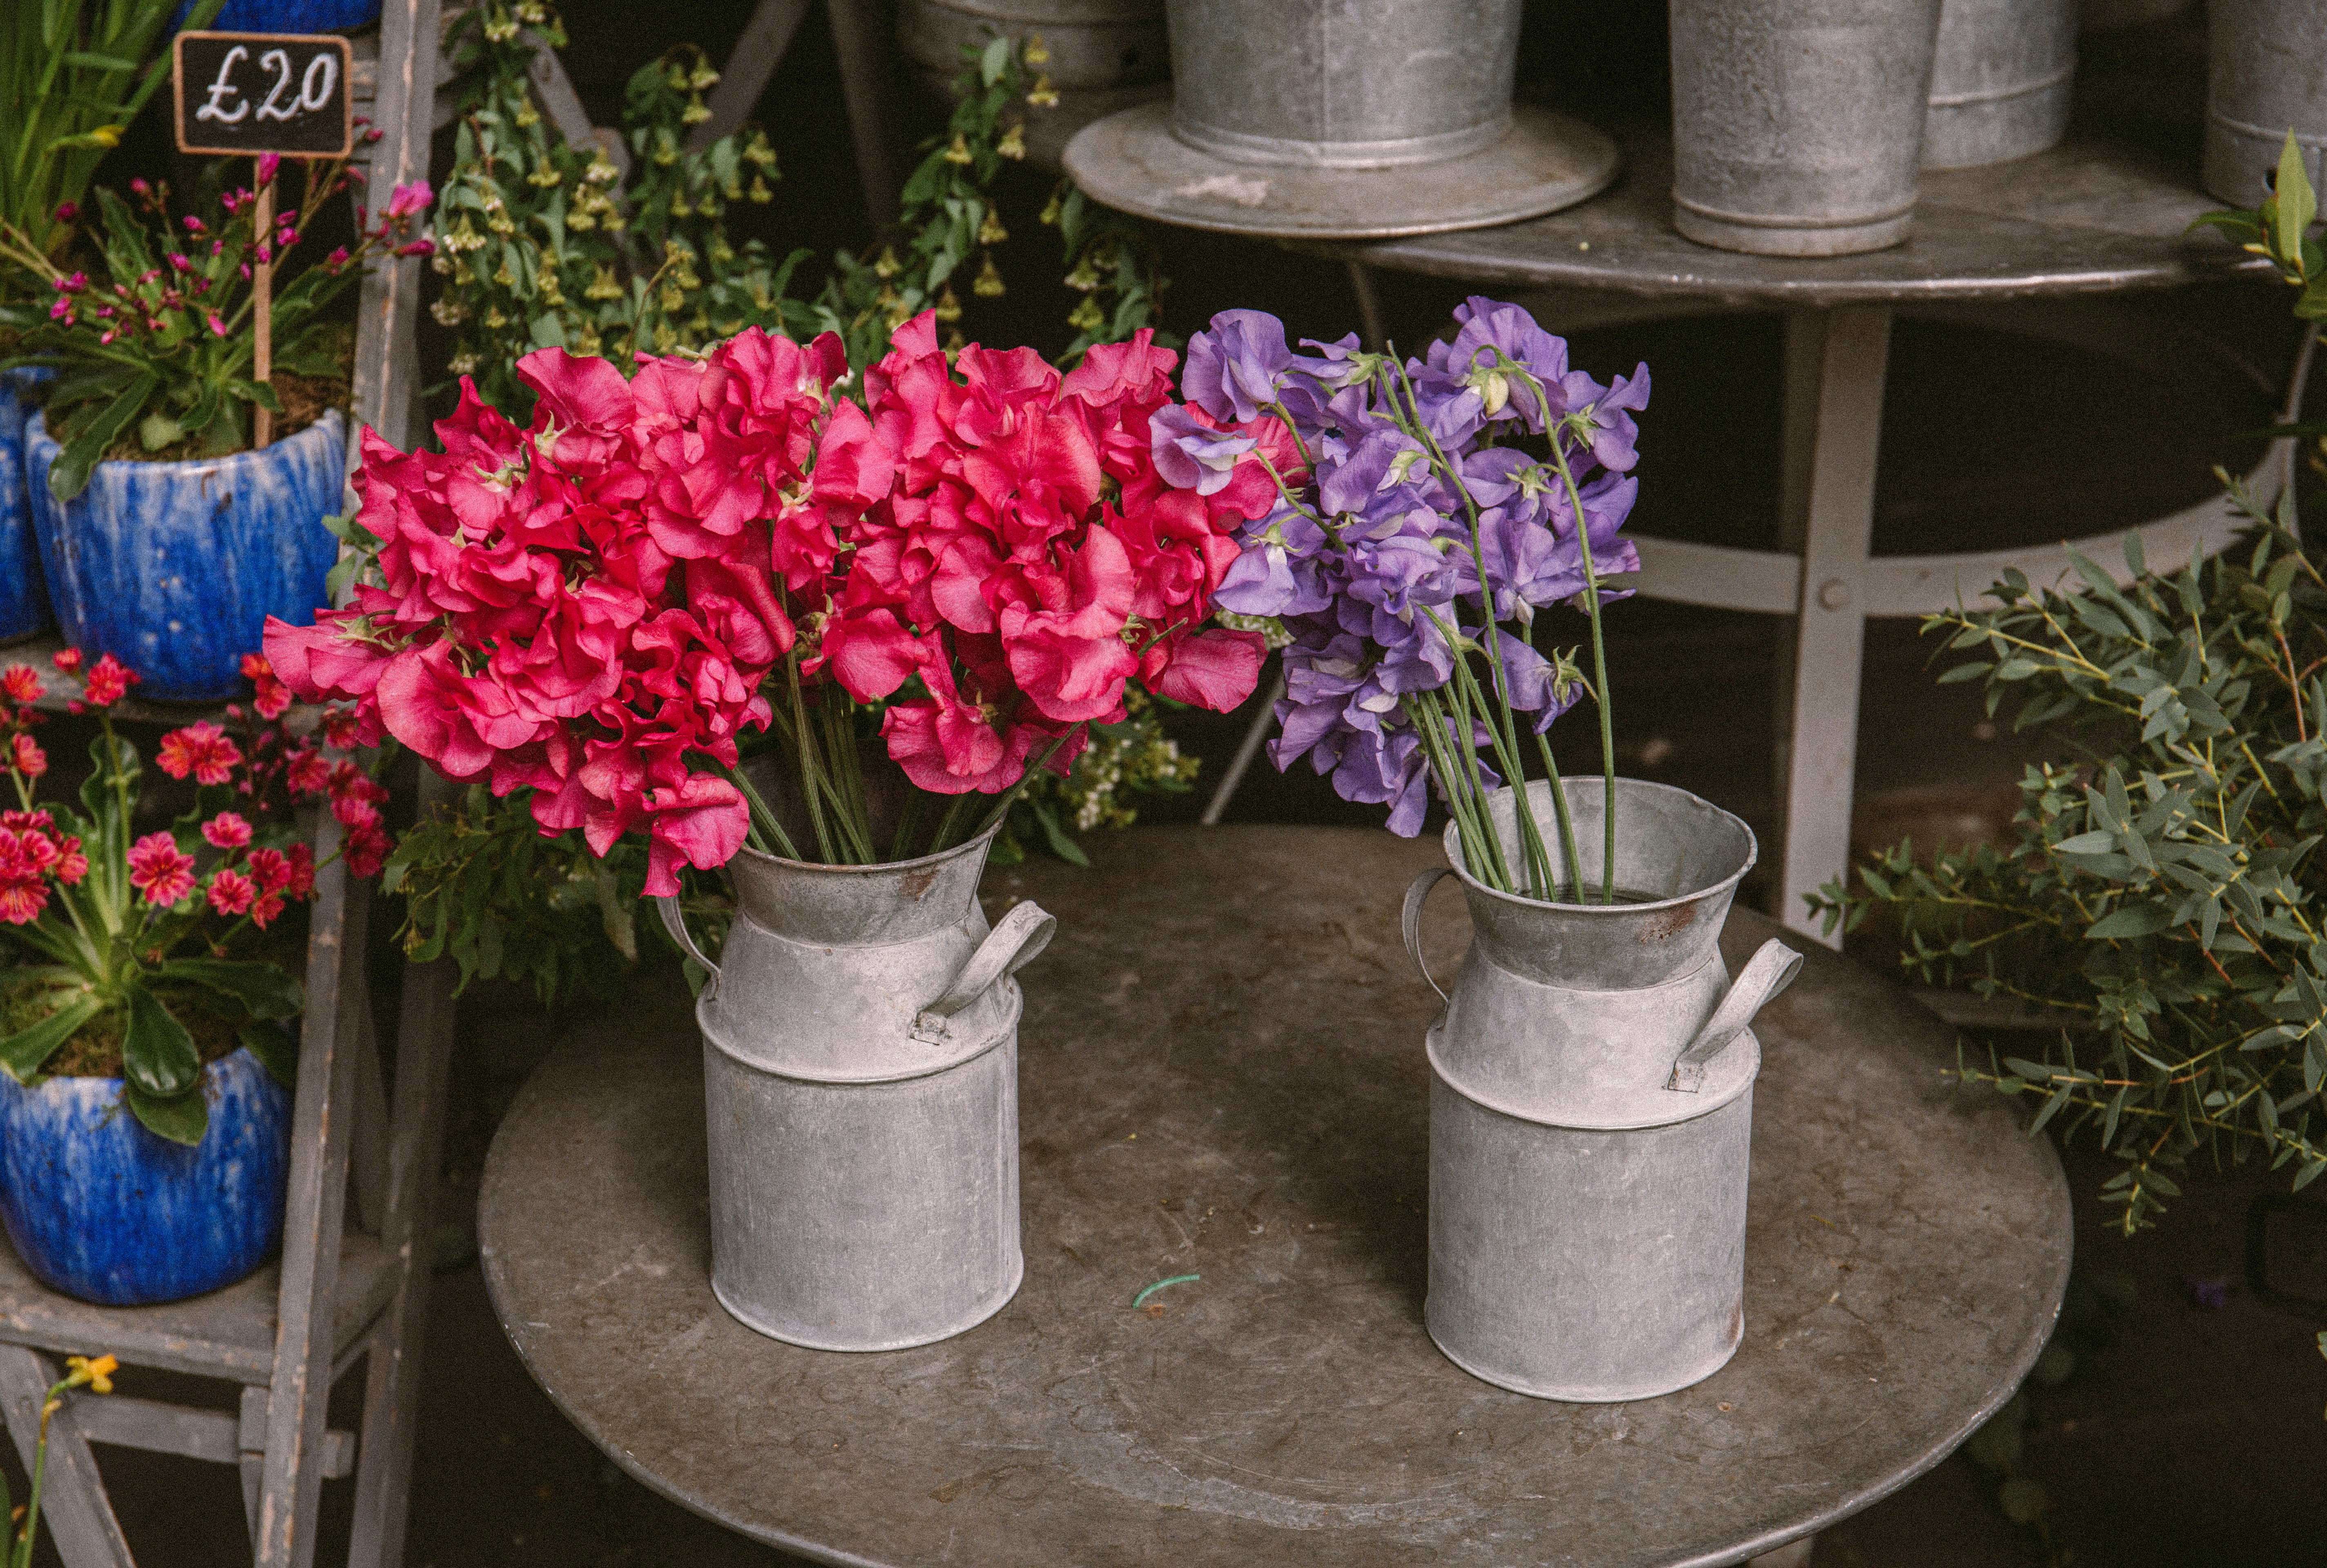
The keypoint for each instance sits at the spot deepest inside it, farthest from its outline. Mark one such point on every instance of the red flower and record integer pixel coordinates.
(108, 682)
(20, 683)
(272, 697)
(227, 830)
(302, 885)
(26, 857)
(202, 750)
(231, 893)
(307, 773)
(270, 869)
(160, 869)
(66, 659)
(266, 908)
(366, 849)
(25, 757)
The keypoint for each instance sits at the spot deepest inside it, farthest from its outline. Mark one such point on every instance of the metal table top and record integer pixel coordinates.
(1223, 1075)
(2092, 214)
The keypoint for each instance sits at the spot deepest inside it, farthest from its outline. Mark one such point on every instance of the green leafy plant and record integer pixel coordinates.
(73, 73)
(2162, 891)
(158, 361)
(482, 885)
(542, 244)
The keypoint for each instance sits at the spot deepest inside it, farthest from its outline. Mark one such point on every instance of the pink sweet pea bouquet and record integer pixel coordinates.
(974, 564)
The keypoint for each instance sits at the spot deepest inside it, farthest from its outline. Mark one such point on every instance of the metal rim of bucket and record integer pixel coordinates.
(879, 867)
(1397, 153)
(1449, 840)
(1007, 986)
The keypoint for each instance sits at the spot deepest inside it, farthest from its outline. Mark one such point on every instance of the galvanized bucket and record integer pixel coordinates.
(2000, 81)
(2267, 75)
(1343, 84)
(859, 1056)
(1798, 124)
(1591, 1109)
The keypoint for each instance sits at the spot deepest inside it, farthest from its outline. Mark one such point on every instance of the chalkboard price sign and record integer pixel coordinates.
(247, 93)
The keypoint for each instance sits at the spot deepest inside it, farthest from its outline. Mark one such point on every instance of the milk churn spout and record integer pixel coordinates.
(1771, 971)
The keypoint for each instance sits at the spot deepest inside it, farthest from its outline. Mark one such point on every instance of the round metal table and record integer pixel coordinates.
(1223, 1075)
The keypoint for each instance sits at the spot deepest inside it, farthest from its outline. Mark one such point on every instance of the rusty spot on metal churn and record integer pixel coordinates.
(1737, 1320)
(917, 882)
(1669, 924)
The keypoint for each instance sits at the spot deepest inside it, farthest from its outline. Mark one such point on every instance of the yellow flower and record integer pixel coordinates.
(991, 231)
(760, 192)
(108, 135)
(696, 110)
(1044, 96)
(959, 151)
(1051, 209)
(1037, 52)
(98, 1374)
(887, 266)
(603, 287)
(988, 283)
(1013, 144)
(948, 305)
(1087, 317)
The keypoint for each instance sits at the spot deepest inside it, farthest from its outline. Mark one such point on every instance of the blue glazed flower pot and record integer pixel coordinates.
(24, 601)
(287, 15)
(173, 568)
(102, 1209)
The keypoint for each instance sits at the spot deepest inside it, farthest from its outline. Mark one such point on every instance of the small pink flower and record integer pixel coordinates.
(67, 659)
(268, 163)
(202, 750)
(67, 212)
(160, 869)
(141, 187)
(418, 247)
(218, 324)
(227, 830)
(408, 199)
(231, 893)
(193, 224)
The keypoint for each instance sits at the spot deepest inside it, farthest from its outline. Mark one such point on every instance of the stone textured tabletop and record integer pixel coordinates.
(2091, 214)
(1223, 1075)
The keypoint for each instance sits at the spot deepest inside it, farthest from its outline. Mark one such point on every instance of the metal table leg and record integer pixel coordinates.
(1836, 361)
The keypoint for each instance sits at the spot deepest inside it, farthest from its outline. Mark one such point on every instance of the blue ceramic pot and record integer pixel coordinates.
(287, 15)
(173, 568)
(24, 601)
(102, 1209)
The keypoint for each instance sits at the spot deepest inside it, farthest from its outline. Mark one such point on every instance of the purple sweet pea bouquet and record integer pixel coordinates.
(1424, 511)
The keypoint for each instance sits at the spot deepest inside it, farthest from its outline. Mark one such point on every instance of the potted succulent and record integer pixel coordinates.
(165, 539)
(1411, 522)
(921, 601)
(73, 76)
(144, 983)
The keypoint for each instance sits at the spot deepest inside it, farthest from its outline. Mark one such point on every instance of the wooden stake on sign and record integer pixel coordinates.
(262, 283)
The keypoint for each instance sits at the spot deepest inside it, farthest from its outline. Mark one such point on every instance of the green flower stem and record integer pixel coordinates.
(1599, 645)
(1567, 823)
(767, 835)
(811, 771)
(1478, 846)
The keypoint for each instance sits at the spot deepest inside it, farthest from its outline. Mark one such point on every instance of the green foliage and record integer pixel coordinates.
(1112, 264)
(73, 73)
(482, 885)
(542, 244)
(1134, 756)
(2279, 230)
(2164, 891)
(946, 215)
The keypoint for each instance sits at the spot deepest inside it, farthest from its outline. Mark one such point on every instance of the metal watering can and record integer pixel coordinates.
(860, 1066)
(1591, 1107)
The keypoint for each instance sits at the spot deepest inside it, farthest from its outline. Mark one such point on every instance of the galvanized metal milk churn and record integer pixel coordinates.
(860, 1055)
(1591, 1107)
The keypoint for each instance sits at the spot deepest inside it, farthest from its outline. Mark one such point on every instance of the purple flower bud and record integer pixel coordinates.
(1193, 455)
(1237, 366)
